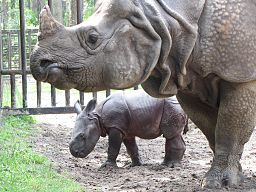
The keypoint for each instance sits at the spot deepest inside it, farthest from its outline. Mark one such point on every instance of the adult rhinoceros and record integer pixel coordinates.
(203, 51)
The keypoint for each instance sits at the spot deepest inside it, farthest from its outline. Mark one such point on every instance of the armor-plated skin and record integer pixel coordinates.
(202, 51)
(125, 116)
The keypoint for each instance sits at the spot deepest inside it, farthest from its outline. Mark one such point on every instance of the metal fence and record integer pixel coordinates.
(15, 47)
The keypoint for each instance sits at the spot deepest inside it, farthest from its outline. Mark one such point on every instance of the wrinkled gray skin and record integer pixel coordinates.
(203, 51)
(125, 116)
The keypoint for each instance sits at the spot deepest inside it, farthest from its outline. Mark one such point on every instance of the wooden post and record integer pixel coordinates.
(13, 91)
(23, 53)
(1, 66)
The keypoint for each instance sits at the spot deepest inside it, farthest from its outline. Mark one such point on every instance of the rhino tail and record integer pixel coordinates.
(185, 130)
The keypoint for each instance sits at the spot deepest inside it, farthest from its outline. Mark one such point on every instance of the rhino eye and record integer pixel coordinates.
(89, 38)
(92, 38)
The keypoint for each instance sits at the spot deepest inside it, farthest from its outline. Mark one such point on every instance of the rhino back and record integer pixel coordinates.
(113, 112)
(146, 113)
(227, 40)
(134, 114)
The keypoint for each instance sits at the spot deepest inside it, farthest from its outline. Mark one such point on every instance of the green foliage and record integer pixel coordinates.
(23, 170)
(88, 9)
(11, 13)
(13, 21)
(7, 95)
(31, 18)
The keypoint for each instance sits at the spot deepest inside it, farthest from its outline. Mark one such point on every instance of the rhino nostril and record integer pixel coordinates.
(75, 153)
(45, 63)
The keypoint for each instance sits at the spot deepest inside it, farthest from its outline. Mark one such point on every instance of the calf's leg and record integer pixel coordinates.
(132, 150)
(114, 142)
(174, 151)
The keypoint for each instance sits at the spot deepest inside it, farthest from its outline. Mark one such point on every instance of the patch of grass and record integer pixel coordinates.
(7, 95)
(22, 169)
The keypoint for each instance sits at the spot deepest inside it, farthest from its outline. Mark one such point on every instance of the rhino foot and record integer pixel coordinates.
(135, 163)
(108, 164)
(215, 179)
(172, 164)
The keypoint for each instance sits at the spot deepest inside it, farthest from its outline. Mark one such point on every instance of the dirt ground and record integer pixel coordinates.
(54, 136)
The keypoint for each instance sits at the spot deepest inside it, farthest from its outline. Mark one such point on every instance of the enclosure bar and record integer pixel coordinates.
(50, 4)
(53, 90)
(53, 96)
(67, 97)
(29, 41)
(79, 11)
(1, 65)
(81, 97)
(23, 53)
(9, 51)
(38, 111)
(38, 93)
(15, 31)
(18, 34)
(79, 20)
(94, 95)
(1, 89)
(14, 72)
(13, 91)
(108, 92)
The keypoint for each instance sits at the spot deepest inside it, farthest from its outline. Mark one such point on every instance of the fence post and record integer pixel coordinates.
(23, 53)
(1, 65)
(79, 19)
(13, 91)
(53, 90)
(50, 3)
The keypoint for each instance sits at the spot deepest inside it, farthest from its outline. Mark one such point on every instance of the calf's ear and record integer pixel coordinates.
(78, 107)
(90, 106)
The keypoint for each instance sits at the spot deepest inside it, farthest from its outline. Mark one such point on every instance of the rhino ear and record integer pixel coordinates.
(90, 106)
(78, 107)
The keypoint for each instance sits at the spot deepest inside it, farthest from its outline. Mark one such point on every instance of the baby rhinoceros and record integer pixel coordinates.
(125, 116)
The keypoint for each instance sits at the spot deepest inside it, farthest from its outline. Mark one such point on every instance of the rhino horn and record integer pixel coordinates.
(48, 25)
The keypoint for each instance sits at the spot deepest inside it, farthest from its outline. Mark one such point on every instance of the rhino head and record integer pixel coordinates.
(124, 43)
(86, 132)
(106, 51)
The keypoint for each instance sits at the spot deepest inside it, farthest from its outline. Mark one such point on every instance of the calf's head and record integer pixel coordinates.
(86, 132)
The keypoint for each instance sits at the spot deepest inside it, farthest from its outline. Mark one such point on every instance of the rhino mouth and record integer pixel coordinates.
(44, 63)
(55, 73)
(49, 71)
(78, 154)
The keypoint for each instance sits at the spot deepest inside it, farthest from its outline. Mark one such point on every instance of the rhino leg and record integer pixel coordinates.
(132, 150)
(236, 121)
(174, 151)
(114, 142)
(204, 116)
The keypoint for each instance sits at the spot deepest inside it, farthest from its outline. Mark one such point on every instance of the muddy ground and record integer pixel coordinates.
(54, 136)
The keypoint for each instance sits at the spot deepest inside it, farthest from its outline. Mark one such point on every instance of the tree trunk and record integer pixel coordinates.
(73, 15)
(28, 4)
(57, 10)
(4, 13)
